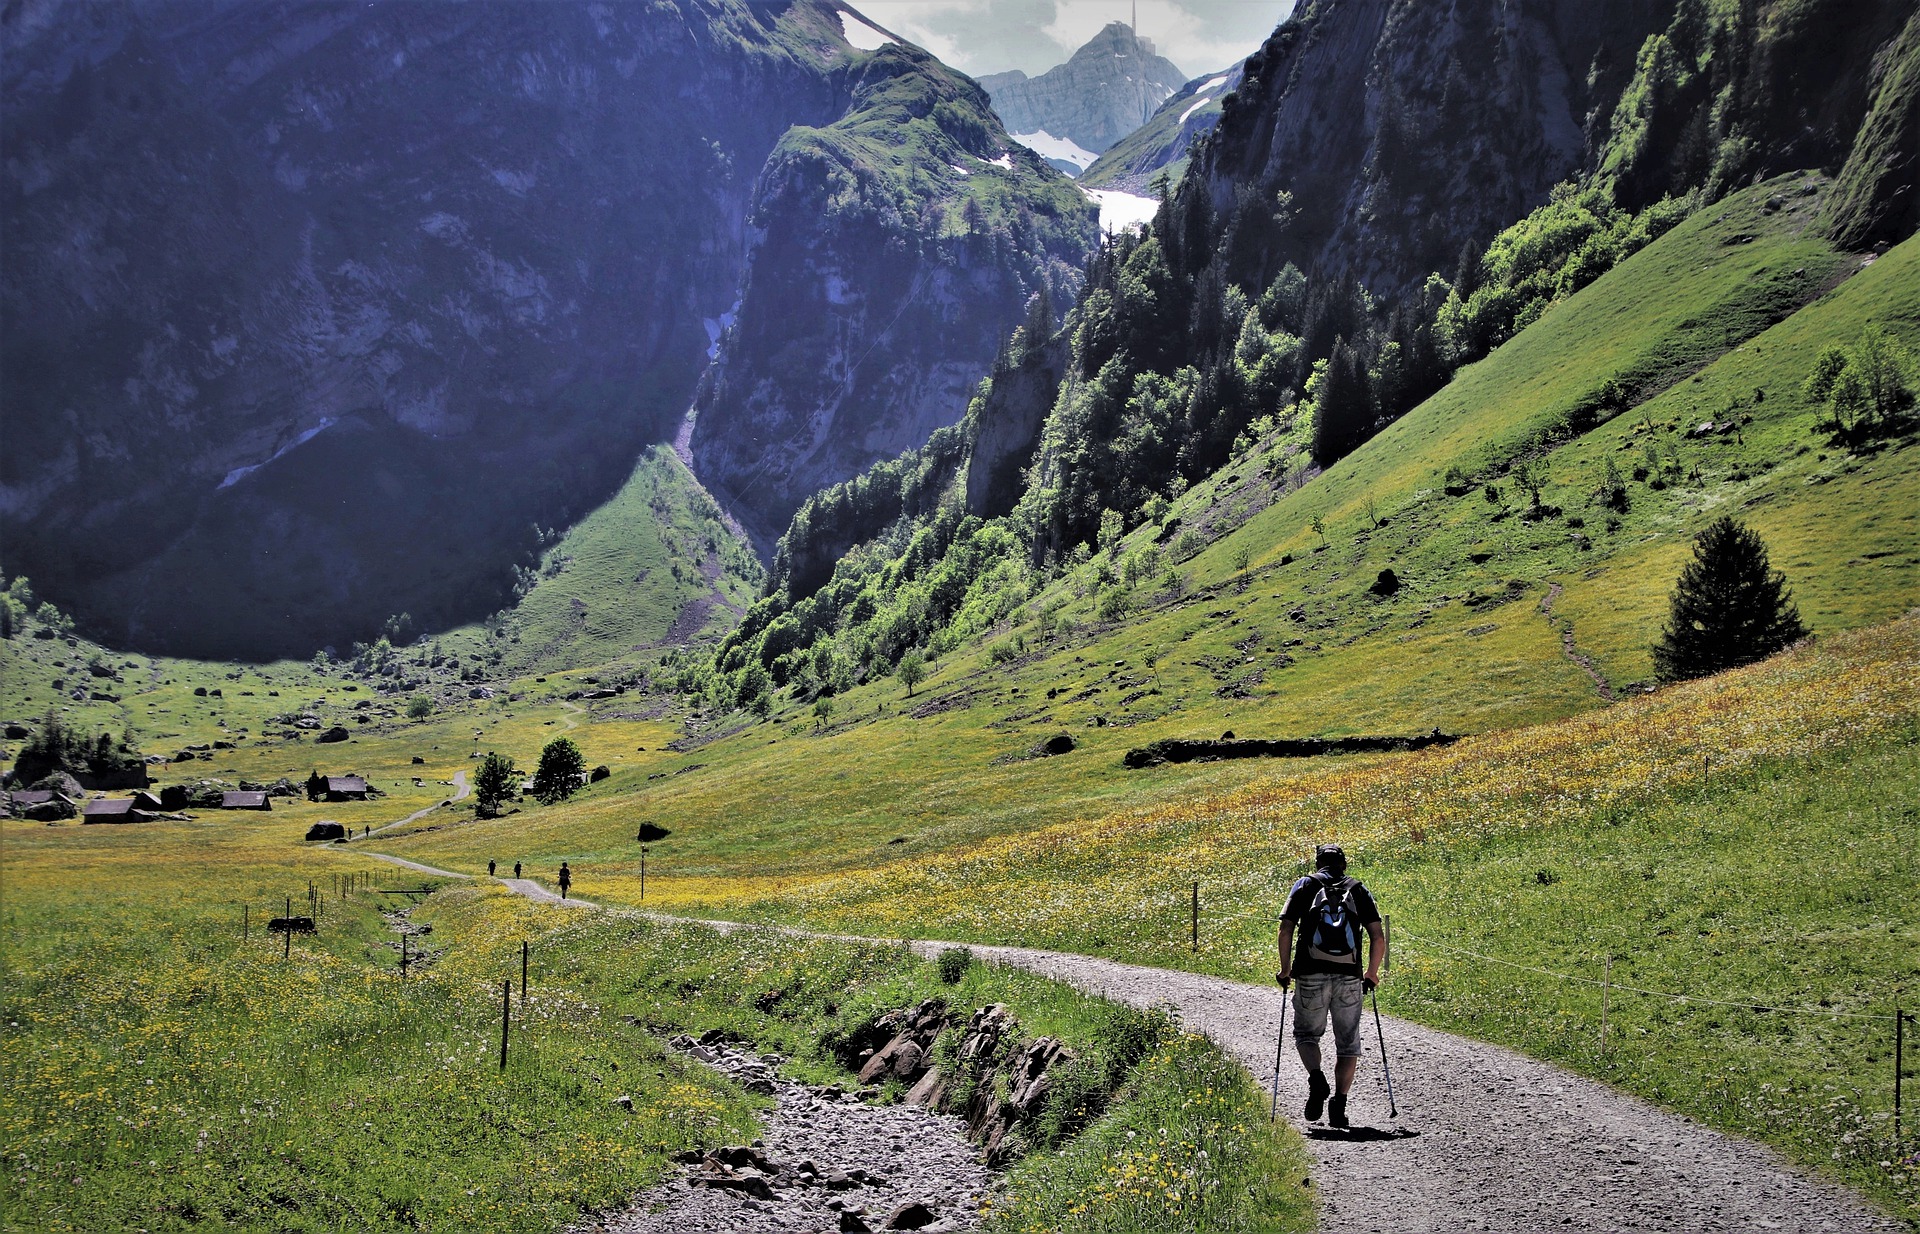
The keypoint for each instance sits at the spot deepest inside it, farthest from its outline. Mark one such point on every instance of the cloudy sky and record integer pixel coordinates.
(990, 36)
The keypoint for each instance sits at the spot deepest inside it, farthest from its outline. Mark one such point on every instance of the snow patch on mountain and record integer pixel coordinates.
(1119, 211)
(1047, 146)
(860, 34)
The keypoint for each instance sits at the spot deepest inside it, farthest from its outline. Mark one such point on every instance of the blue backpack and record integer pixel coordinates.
(1333, 937)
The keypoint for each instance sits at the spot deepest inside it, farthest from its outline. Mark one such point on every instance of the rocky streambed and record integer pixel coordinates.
(829, 1159)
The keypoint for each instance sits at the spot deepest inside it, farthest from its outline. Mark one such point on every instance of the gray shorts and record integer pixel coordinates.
(1317, 996)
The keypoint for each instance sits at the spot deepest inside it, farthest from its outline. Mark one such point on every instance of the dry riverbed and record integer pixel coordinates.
(828, 1160)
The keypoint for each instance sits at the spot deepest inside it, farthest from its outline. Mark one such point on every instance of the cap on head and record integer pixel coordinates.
(1330, 857)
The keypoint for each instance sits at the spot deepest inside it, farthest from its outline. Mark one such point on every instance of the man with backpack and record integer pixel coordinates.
(1320, 930)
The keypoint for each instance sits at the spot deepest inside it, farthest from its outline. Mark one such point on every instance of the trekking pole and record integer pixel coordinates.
(1393, 1110)
(1273, 1115)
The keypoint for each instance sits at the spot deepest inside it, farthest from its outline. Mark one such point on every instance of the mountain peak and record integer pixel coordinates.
(1085, 102)
(1114, 37)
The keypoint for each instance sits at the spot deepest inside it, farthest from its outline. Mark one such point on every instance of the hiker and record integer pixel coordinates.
(566, 879)
(516, 869)
(489, 867)
(1320, 945)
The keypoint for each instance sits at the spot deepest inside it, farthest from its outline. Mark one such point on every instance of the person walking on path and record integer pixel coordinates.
(516, 869)
(489, 867)
(566, 879)
(1319, 939)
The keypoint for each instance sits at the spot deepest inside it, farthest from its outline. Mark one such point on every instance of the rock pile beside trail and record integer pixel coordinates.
(830, 1160)
(987, 1051)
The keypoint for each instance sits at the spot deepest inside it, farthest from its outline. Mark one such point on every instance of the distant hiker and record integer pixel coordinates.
(489, 868)
(1320, 945)
(566, 879)
(516, 869)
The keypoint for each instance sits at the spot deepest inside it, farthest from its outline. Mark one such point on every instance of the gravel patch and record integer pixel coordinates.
(827, 1160)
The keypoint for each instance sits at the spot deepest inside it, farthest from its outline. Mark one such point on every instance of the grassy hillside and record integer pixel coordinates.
(1476, 638)
(656, 566)
(1743, 839)
(166, 1072)
(1163, 144)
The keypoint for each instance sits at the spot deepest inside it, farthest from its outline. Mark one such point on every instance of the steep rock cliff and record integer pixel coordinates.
(316, 313)
(1464, 115)
(893, 251)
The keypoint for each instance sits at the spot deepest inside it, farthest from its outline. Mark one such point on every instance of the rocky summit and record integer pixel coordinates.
(1106, 91)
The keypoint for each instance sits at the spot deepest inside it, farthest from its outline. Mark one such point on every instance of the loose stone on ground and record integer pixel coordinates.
(829, 1160)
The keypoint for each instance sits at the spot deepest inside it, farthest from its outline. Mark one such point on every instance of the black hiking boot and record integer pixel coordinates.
(1337, 1111)
(1317, 1090)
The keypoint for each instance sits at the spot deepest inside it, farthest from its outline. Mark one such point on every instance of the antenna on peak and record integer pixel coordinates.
(1134, 24)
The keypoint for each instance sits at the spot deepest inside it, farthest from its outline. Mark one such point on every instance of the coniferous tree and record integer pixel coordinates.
(1729, 607)
(493, 783)
(1343, 406)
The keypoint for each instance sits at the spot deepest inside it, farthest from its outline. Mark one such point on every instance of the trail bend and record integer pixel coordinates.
(1487, 1139)
(460, 792)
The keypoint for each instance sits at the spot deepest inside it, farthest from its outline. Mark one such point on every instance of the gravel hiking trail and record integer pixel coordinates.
(460, 791)
(1486, 1139)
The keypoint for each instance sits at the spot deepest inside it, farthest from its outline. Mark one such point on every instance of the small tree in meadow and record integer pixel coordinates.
(559, 772)
(1866, 389)
(911, 671)
(1729, 607)
(419, 707)
(493, 784)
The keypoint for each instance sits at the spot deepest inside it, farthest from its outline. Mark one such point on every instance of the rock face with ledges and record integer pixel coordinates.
(1465, 116)
(893, 252)
(312, 314)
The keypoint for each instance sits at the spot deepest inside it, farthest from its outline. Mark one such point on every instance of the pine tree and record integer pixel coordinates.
(1729, 607)
(1343, 406)
(493, 784)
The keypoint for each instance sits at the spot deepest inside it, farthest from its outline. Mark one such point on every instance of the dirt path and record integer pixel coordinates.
(1486, 1139)
(459, 794)
(576, 710)
(1572, 652)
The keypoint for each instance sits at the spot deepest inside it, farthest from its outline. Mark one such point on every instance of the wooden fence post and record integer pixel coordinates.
(506, 1017)
(523, 972)
(1606, 995)
(1899, 1064)
(1193, 928)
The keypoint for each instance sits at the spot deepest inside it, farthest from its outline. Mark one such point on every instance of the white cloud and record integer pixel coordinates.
(990, 36)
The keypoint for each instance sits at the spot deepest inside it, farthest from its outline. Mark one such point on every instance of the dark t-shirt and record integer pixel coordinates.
(1359, 903)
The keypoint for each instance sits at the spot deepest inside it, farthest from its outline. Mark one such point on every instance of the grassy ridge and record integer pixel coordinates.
(657, 562)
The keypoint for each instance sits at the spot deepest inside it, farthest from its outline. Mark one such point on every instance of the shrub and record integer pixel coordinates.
(953, 964)
(419, 707)
(911, 671)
